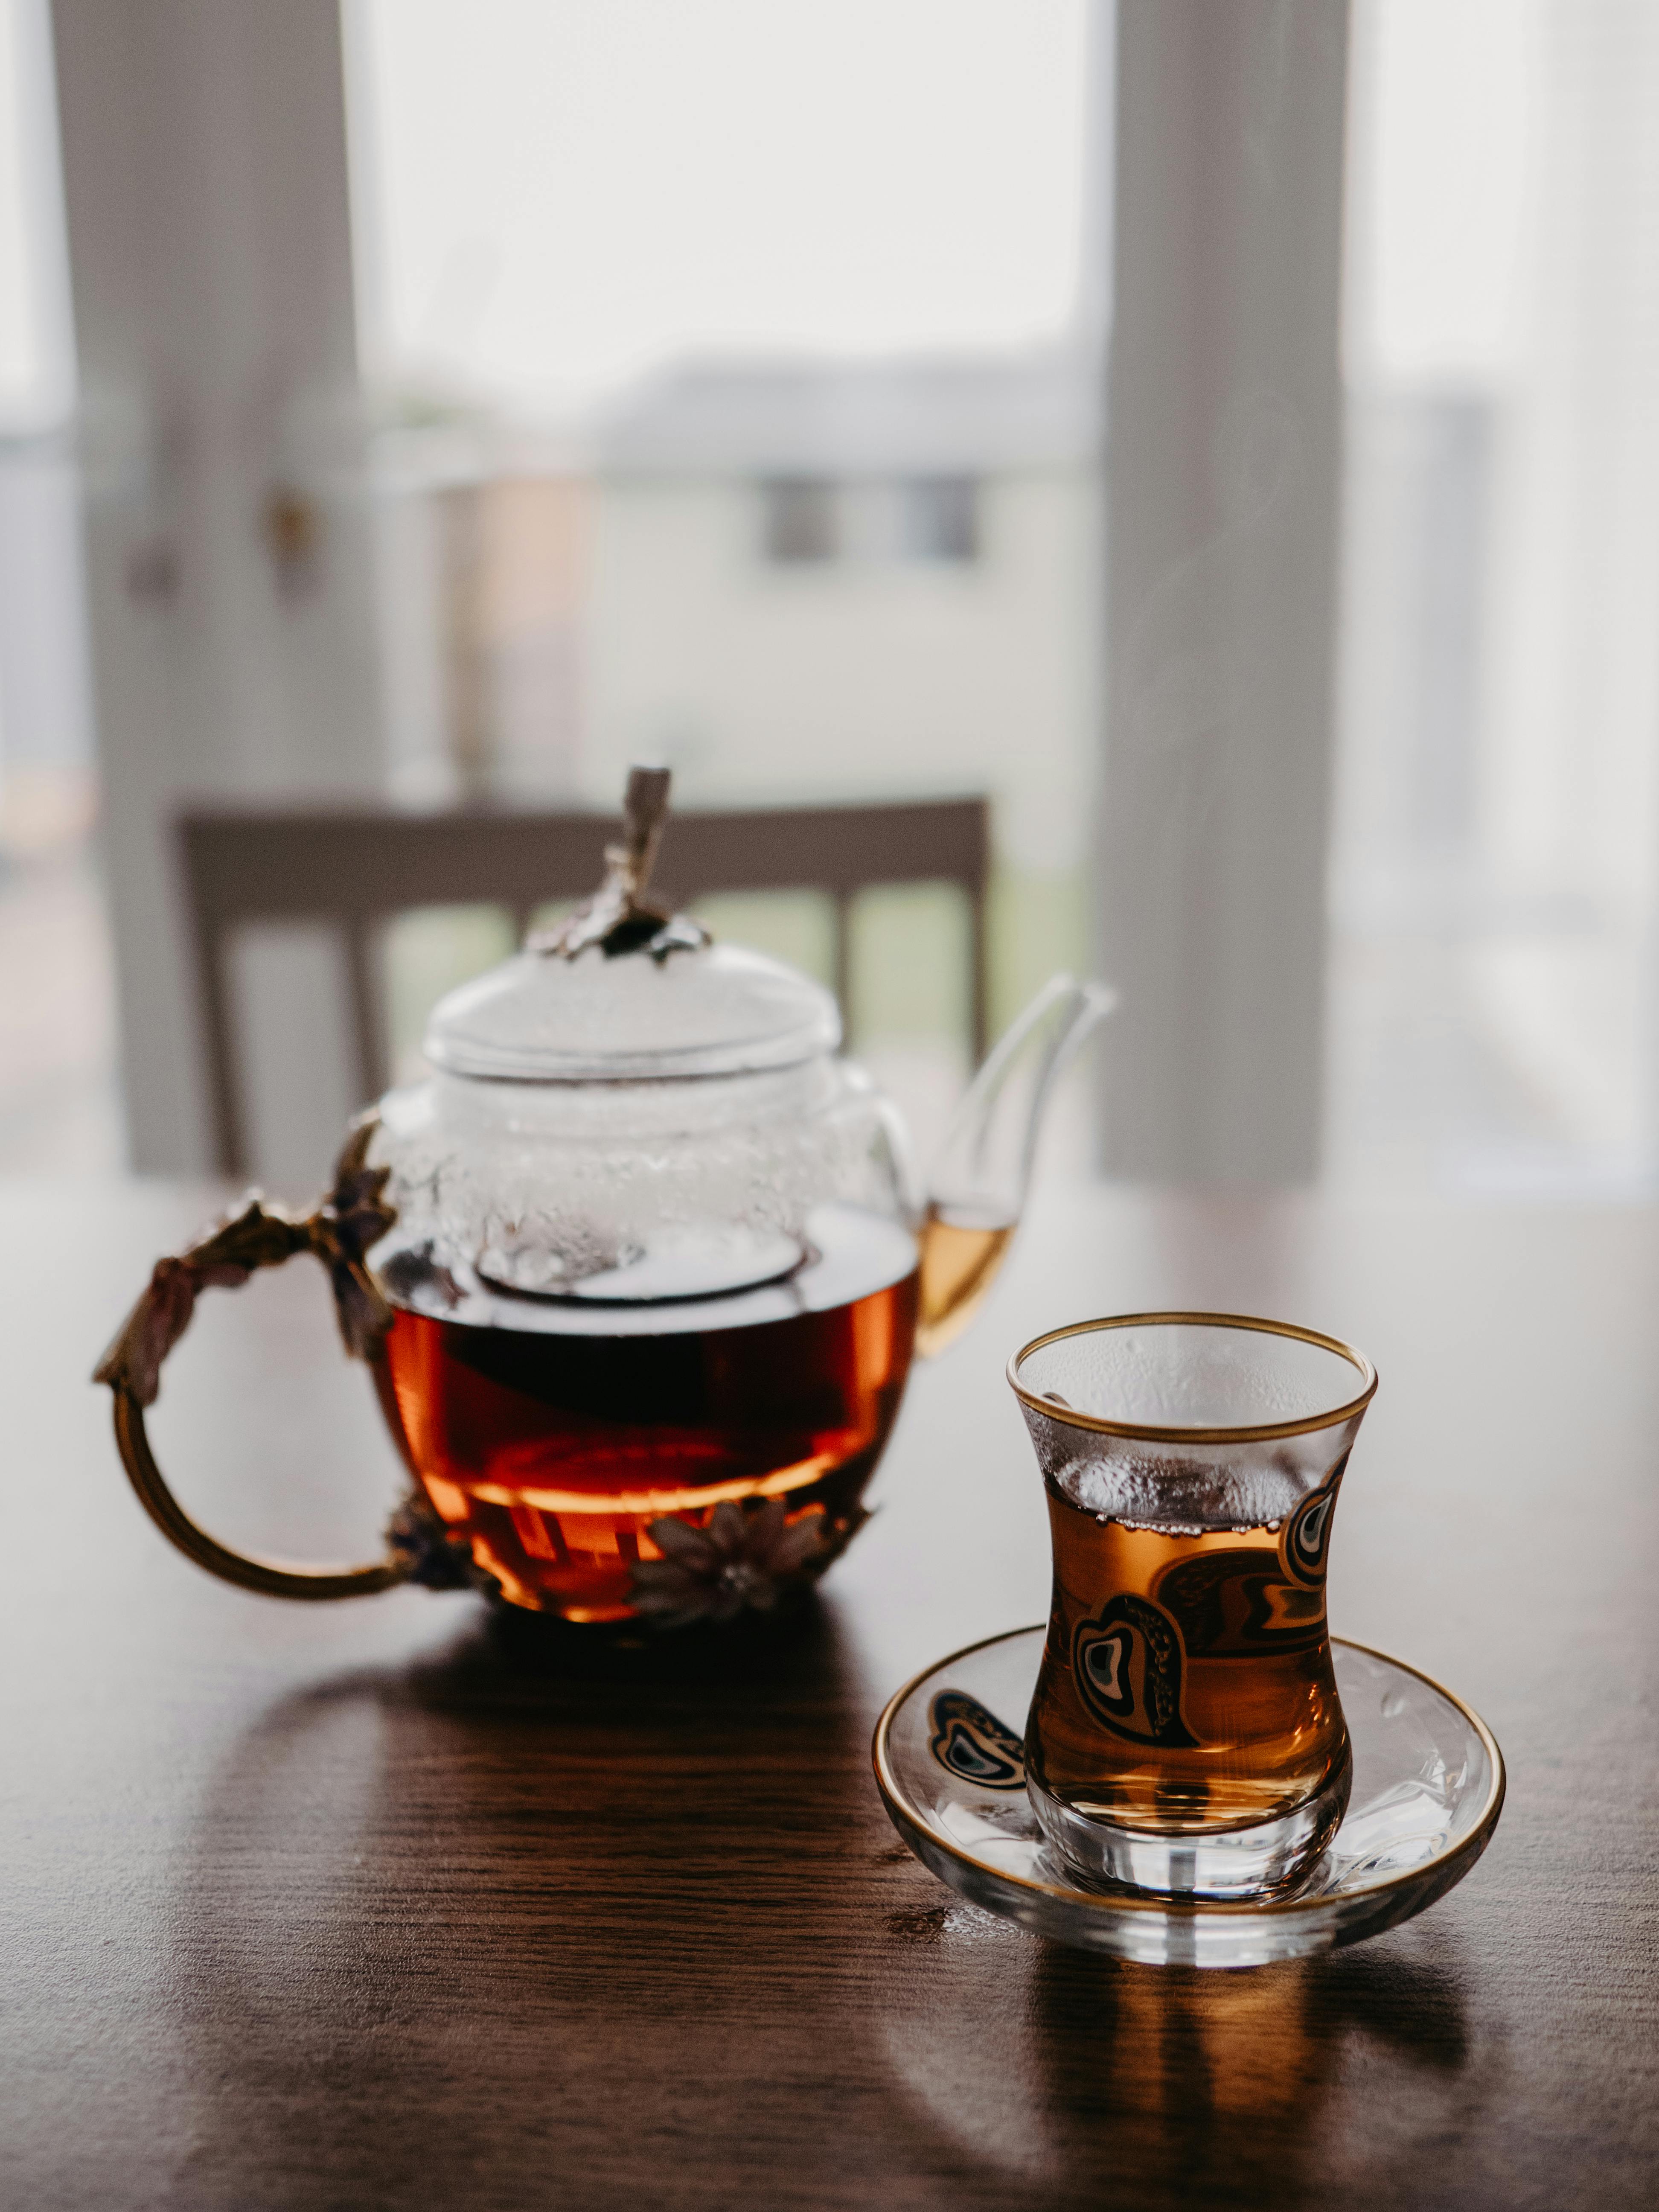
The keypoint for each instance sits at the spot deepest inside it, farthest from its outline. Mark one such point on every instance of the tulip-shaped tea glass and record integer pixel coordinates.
(1186, 1737)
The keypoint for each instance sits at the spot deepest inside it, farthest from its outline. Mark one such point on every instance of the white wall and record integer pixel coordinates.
(758, 680)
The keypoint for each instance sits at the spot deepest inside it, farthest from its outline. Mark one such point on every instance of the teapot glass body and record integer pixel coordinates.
(618, 1307)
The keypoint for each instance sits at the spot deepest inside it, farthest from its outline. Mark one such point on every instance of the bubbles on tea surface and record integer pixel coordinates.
(1183, 1496)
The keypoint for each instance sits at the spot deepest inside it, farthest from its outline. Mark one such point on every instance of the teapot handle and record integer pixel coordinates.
(338, 1231)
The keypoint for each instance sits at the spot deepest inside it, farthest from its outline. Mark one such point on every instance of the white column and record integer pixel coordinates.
(1223, 466)
(205, 185)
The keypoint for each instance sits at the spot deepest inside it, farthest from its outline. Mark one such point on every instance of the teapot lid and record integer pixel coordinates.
(716, 1010)
(622, 991)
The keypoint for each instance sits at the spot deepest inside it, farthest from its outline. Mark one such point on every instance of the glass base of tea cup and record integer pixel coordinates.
(1267, 1859)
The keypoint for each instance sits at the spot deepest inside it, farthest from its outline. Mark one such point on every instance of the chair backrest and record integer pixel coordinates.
(358, 866)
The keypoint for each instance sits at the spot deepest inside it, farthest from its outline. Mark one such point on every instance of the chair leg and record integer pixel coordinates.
(979, 980)
(373, 1074)
(224, 1114)
(842, 959)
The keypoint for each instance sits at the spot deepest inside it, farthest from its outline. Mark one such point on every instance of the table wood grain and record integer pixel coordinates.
(367, 1906)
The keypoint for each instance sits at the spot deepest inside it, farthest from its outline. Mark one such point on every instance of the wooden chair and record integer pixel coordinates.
(358, 866)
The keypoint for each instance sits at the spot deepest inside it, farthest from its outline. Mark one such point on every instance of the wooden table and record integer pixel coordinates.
(344, 1906)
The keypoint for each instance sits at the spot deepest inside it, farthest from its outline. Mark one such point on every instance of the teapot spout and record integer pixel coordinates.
(978, 1190)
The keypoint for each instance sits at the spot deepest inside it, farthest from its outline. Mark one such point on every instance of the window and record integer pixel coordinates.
(800, 520)
(775, 421)
(879, 521)
(938, 519)
(1496, 862)
(58, 1103)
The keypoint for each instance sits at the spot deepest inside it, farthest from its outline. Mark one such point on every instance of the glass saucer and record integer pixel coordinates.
(1428, 1786)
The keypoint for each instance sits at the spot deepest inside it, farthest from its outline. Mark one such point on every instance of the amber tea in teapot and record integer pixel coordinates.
(638, 1270)
(552, 1449)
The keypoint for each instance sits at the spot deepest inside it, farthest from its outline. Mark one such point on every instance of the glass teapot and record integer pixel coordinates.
(638, 1272)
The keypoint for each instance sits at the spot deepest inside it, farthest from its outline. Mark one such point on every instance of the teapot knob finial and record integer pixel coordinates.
(618, 917)
(645, 816)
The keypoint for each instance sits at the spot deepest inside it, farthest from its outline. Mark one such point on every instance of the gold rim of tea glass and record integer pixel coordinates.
(1262, 1432)
(907, 1815)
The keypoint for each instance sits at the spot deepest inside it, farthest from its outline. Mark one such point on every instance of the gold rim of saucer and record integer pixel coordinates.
(1263, 1432)
(905, 1813)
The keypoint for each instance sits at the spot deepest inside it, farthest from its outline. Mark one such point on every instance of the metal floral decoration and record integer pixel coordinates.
(341, 1231)
(736, 1561)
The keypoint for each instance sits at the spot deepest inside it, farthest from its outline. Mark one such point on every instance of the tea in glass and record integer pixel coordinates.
(1186, 1735)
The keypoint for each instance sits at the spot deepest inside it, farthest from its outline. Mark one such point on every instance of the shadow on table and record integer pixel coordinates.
(512, 1923)
(1087, 2080)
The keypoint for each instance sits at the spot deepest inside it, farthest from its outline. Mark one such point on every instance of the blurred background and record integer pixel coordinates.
(443, 404)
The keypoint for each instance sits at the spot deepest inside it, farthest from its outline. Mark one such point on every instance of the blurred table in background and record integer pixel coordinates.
(345, 1905)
